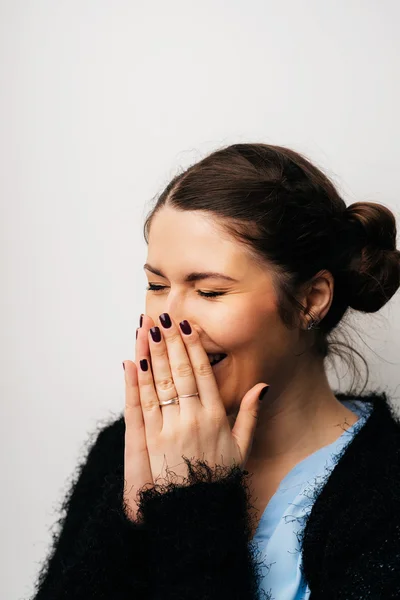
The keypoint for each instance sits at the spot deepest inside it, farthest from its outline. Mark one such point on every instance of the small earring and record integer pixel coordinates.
(312, 324)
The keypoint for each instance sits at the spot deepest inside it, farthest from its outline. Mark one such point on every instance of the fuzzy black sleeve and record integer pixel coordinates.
(199, 535)
(96, 552)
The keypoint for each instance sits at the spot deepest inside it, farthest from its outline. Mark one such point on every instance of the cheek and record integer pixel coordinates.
(251, 328)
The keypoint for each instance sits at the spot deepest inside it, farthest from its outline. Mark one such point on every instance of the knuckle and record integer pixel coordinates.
(203, 369)
(174, 336)
(184, 370)
(165, 384)
(129, 410)
(193, 427)
(254, 414)
(216, 419)
(159, 352)
(150, 404)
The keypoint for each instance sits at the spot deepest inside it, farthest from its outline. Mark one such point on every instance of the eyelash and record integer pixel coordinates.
(156, 288)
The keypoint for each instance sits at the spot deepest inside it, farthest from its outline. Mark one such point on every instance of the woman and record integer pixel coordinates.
(249, 478)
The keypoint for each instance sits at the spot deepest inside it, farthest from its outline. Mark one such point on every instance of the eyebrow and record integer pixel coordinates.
(196, 276)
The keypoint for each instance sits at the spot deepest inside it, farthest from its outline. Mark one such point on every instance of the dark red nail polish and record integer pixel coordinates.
(141, 321)
(155, 334)
(123, 366)
(143, 365)
(184, 325)
(165, 320)
(263, 392)
(137, 332)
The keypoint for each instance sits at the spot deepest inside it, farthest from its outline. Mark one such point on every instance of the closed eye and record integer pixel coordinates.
(156, 288)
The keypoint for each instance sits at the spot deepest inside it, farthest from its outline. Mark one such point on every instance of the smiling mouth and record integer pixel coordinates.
(216, 359)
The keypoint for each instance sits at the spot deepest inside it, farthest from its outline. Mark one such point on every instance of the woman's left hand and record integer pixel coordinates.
(197, 427)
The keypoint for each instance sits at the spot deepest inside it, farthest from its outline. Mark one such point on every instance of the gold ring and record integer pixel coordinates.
(176, 399)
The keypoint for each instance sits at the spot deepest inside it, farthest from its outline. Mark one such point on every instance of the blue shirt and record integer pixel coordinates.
(277, 537)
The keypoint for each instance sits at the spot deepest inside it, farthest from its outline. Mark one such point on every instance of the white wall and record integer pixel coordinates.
(101, 101)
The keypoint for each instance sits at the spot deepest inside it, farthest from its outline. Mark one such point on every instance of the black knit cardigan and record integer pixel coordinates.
(193, 541)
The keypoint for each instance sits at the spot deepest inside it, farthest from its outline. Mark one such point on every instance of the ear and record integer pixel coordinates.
(317, 296)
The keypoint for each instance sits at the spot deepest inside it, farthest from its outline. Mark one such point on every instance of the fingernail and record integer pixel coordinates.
(137, 331)
(155, 334)
(165, 320)
(141, 321)
(263, 392)
(143, 365)
(184, 325)
(123, 364)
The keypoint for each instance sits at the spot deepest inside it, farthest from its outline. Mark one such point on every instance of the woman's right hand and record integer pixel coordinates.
(137, 470)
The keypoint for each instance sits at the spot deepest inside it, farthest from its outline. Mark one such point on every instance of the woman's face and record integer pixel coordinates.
(242, 322)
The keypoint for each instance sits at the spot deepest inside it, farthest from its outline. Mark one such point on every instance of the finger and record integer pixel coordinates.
(180, 364)
(246, 421)
(149, 401)
(162, 375)
(203, 372)
(137, 467)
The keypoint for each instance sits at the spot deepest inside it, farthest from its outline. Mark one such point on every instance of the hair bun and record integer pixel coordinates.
(374, 270)
(376, 223)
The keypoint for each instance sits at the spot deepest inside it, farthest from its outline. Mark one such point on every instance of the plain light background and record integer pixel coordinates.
(101, 102)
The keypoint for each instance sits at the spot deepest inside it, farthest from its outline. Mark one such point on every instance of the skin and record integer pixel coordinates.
(300, 413)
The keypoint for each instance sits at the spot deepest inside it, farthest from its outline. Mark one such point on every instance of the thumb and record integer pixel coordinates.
(246, 420)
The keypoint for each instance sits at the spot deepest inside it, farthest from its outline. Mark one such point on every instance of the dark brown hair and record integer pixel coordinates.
(288, 214)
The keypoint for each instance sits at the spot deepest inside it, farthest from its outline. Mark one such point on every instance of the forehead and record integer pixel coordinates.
(198, 225)
(189, 236)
